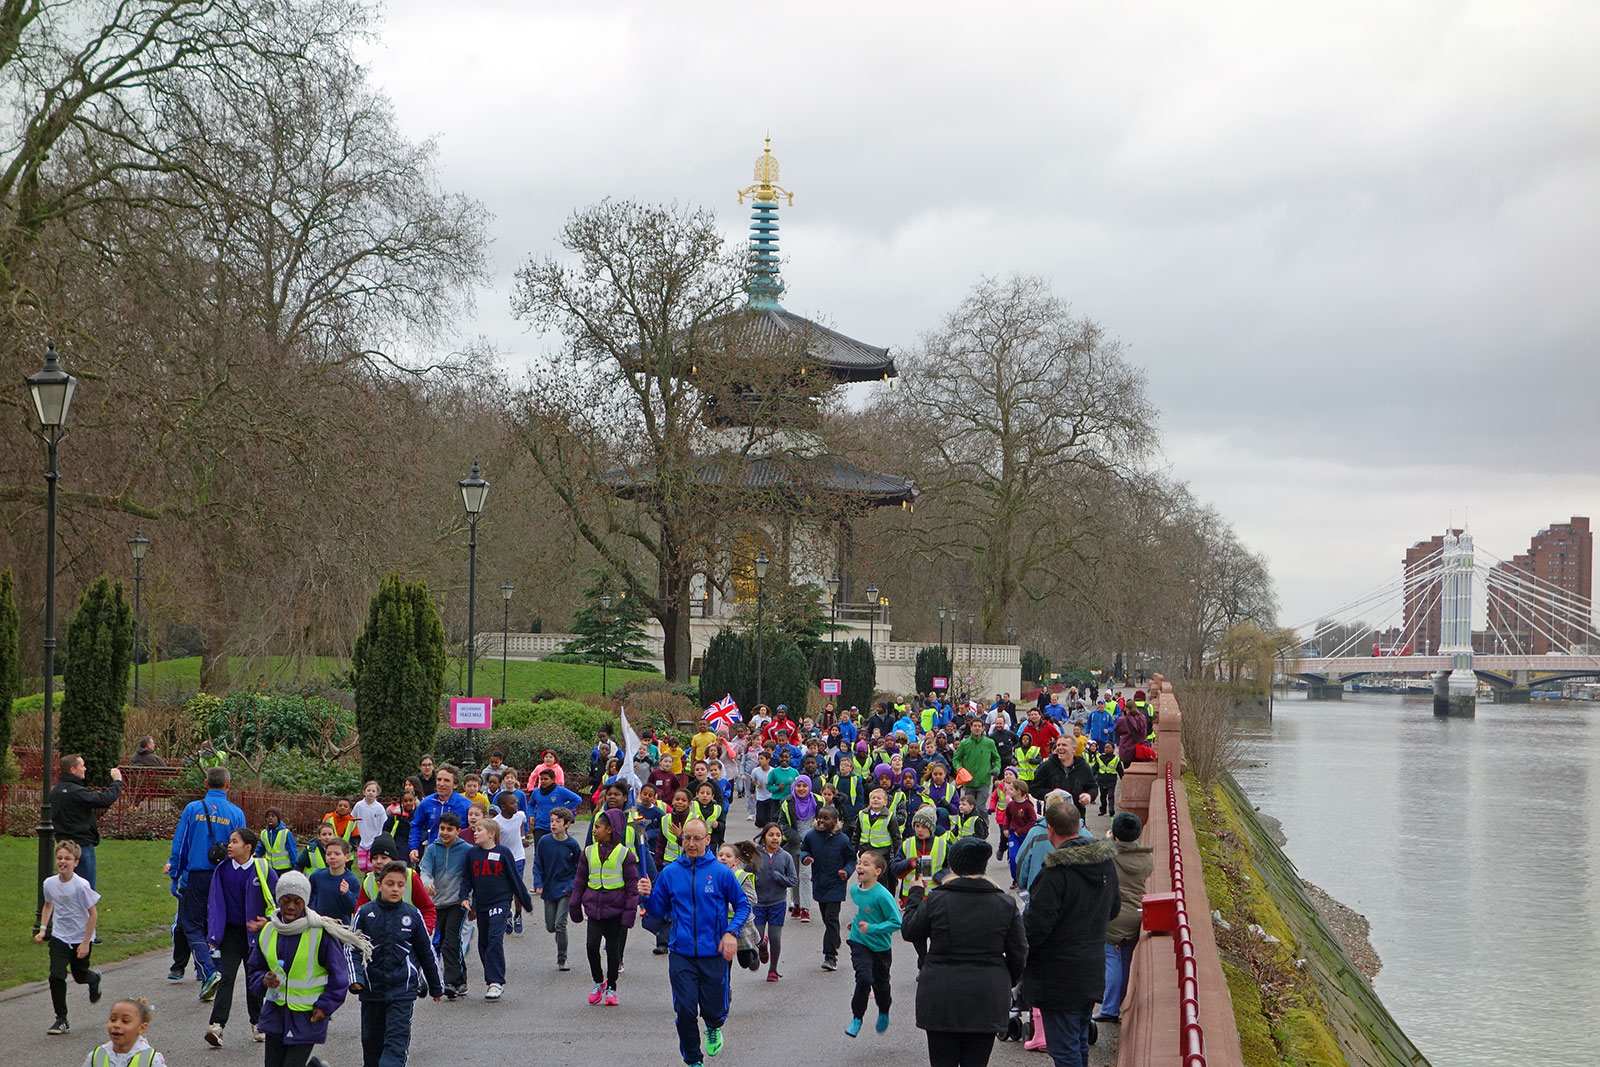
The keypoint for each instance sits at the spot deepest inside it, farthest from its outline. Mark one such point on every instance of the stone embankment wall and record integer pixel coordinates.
(1278, 988)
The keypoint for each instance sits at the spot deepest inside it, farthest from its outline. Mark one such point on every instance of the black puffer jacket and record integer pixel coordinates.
(1070, 903)
(976, 949)
(402, 952)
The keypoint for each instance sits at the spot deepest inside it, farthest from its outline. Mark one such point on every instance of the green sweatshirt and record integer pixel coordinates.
(877, 907)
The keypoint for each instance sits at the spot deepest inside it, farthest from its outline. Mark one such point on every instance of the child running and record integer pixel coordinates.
(335, 889)
(130, 1018)
(71, 912)
(387, 981)
(775, 876)
(1020, 817)
(555, 863)
(513, 823)
(492, 884)
(605, 889)
(871, 941)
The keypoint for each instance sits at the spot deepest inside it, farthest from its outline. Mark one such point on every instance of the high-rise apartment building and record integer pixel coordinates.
(1542, 600)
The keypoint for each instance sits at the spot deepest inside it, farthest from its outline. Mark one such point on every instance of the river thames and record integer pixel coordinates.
(1473, 848)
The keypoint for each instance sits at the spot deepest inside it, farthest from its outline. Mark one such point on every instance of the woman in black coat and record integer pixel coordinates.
(964, 987)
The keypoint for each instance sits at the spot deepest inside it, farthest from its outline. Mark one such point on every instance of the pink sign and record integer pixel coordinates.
(941, 683)
(472, 713)
(832, 687)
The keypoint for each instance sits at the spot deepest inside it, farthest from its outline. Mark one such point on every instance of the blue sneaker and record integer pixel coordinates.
(883, 1021)
(208, 988)
(854, 1028)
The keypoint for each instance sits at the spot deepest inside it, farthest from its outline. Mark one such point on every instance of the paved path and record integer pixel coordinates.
(545, 1017)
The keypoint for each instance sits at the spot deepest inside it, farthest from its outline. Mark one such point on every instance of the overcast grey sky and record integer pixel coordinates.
(1356, 246)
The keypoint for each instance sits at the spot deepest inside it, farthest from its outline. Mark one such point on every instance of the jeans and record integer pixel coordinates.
(946, 1048)
(192, 913)
(830, 928)
(386, 1032)
(492, 943)
(872, 976)
(64, 958)
(615, 935)
(1068, 1035)
(235, 949)
(86, 864)
(555, 922)
(701, 987)
(451, 916)
(1119, 960)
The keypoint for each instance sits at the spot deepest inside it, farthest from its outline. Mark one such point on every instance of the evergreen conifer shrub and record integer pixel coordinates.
(398, 674)
(96, 659)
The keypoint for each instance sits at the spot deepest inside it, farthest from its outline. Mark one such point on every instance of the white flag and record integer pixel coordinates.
(630, 745)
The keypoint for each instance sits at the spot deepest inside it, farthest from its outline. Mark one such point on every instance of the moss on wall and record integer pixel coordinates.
(1297, 998)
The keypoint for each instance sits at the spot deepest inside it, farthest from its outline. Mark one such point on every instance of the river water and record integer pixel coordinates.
(1473, 848)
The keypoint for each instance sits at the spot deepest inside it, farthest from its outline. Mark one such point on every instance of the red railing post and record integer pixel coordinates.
(1192, 1039)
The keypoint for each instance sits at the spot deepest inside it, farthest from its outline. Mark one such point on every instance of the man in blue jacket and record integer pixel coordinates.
(707, 908)
(204, 823)
(425, 820)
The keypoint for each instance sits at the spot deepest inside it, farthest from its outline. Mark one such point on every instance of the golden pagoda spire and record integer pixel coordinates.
(766, 189)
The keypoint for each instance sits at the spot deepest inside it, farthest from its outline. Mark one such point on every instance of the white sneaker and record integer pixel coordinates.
(494, 991)
(214, 1035)
(258, 1035)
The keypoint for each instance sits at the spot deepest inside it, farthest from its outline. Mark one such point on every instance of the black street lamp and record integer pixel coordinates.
(505, 633)
(138, 545)
(833, 622)
(942, 610)
(52, 390)
(970, 617)
(474, 491)
(605, 638)
(872, 617)
(762, 563)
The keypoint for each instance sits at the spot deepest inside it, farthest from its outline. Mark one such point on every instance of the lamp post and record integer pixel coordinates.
(942, 610)
(52, 390)
(762, 563)
(605, 638)
(505, 633)
(872, 617)
(970, 617)
(474, 491)
(138, 545)
(833, 623)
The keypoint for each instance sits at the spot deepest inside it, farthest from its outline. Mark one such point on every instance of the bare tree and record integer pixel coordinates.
(1018, 408)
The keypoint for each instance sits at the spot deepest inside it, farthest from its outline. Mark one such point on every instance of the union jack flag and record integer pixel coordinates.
(724, 713)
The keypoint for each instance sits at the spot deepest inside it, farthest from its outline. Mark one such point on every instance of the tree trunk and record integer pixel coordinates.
(677, 650)
(213, 663)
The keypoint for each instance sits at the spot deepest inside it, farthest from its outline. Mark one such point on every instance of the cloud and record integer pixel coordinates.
(1355, 246)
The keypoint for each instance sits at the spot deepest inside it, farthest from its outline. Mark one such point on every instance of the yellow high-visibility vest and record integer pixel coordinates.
(605, 873)
(304, 978)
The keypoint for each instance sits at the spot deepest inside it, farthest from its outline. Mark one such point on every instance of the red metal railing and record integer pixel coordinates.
(1192, 1039)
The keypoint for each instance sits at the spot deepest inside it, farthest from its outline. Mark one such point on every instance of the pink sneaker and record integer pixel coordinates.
(599, 991)
(611, 997)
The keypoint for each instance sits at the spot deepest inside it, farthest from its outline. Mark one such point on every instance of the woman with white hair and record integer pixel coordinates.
(300, 964)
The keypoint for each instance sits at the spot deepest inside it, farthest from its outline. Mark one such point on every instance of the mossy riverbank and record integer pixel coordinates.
(1297, 996)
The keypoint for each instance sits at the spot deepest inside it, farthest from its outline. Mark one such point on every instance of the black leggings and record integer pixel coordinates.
(281, 1055)
(235, 948)
(949, 1049)
(616, 938)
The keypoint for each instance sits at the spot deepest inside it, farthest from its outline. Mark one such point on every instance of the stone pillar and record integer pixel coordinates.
(1517, 694)
(1450, 701)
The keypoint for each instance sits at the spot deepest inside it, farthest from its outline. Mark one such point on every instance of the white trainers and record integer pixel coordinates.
(256, 1033)
(494, 991)
(214, 1035)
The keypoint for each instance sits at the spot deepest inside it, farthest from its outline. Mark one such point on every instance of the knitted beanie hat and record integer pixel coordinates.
(293, 884)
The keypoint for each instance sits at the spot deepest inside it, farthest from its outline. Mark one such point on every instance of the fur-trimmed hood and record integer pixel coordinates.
(1074, 855)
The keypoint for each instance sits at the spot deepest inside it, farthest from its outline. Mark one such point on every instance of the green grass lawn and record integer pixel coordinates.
(135, 907)
(168, 679)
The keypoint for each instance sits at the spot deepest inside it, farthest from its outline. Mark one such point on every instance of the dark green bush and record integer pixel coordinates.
(297, 772)
(251, 721)
(95, 661)
(520, 748)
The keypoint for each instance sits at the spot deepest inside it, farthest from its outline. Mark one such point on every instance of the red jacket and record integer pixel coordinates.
(769, 732)
(1042, 736)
